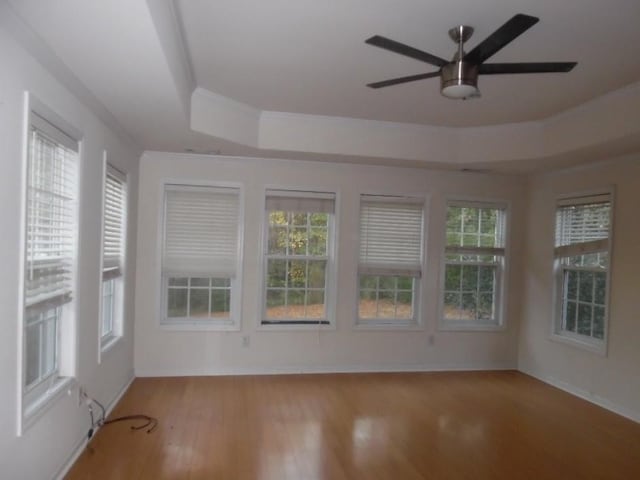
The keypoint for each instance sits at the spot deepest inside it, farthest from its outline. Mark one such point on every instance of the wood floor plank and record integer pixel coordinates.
(406, 426)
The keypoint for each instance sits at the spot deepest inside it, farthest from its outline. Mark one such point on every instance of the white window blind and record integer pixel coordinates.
(295, 201)
(390, 236)
(201, 231)
(113, 240)
(582, 225)
(51, 206)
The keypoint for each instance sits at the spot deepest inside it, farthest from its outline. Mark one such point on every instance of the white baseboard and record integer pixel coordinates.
(81, 445)
(585, 395)
(284, 370)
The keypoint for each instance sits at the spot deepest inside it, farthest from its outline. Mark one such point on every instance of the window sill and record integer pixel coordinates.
(381, 326)
(595, 346)
(39, 406)
(453, 326)
(107, 343)
(293, 327)
(187, 326)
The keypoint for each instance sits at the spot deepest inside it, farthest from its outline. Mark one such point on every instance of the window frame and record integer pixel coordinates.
(394, 323)
(502, 268)
(117, 279)
(557, 333)
(35, 399)
(328, 322)
(233, 323)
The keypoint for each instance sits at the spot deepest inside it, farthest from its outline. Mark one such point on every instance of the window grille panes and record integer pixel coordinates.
(199, 297)
(390, 259)
(582, 256)
(50, 246)
(297, 257)
(474, 262)
(41, 341)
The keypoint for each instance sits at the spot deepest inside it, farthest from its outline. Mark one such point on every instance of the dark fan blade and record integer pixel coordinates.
(405, 50)
(508, 32)
(542, 67)
(396, 81)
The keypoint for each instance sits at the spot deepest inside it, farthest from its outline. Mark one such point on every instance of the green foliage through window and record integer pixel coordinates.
(473, 263)
(199, 298)
(296, 266)
(386, 297)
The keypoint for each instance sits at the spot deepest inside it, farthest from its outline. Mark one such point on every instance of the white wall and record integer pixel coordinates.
(162, 352)
(612, 380)
(45, 447)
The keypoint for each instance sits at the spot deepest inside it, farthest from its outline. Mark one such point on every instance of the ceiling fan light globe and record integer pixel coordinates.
(459, 91)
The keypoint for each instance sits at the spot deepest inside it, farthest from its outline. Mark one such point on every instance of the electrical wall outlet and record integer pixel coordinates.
(246, 341)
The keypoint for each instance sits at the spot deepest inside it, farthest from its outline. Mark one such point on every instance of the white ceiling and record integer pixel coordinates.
(143, 59)
(309, 56)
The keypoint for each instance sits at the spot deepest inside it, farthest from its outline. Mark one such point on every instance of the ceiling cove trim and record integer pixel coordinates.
(603, 120)
(169, 27)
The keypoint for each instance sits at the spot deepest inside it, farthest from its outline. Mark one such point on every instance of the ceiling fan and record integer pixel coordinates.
(459, 77)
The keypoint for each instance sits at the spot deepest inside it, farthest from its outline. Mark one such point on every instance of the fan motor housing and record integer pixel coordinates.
(459, 79)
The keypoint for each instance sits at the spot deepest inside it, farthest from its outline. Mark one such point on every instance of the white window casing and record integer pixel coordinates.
(474, 265)
(582, 255)
(50, 261)
(113, 255)
(390, 259)
(200, 255)
(297, 258)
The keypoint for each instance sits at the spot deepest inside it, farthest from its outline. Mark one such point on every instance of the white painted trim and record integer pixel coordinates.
(585, 395)
(102, 348)
(417, 323)
(600, 347)
(236, 283)
(82, 443)
(331, 294)
(22, 252)
(292, 370)
(550, 137)
(67, 349)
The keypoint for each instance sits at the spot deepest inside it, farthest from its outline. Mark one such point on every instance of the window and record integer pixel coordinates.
(474, 264)
(201, 261)
(582, 242)
(113, 254)
(50, 257)
(297, 257)
(390, 261)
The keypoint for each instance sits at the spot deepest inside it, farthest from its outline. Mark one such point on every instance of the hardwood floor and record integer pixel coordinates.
(405, 426)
